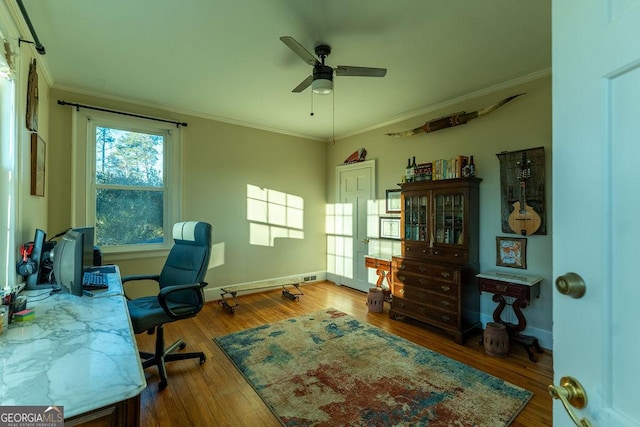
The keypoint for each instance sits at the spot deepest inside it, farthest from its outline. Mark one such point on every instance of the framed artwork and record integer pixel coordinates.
(38, 161)
(389, 227)
(511, 252)
(32, 98)
(393, 201)
(522, 192)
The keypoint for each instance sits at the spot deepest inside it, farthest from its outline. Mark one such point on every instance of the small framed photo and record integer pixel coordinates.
(389, 227)
(393, 201)
(38, 162)
(511, 252)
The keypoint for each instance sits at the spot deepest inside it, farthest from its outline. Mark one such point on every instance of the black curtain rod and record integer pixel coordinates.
(78, 106)
(39, 47)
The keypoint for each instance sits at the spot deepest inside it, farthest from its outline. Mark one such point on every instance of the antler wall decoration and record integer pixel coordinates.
(454, 119)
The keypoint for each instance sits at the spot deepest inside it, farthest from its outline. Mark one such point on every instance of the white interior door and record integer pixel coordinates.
(356, 187)
(596, 204)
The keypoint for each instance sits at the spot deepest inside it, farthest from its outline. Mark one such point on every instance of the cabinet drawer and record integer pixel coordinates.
(429, 271)
(503, 288)
(424, 313)
(415, 249)
(424, 283)
(377, 263)
(452, 254)
(423, 296)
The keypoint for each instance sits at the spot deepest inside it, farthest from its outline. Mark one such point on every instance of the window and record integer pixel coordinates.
(8, 168)
(133, 186)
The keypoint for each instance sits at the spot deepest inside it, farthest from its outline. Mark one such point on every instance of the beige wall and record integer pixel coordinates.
(219, 160)
(32, 210)
(523, 123)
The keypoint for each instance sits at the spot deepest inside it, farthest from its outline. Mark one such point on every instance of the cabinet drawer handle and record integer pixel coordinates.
(436, 252)
(421, 281)
(424, 251)
(401, 292)
(445, 288)
(445, 274)
(422, 269)
(456, 254)
(408, 249)
(445, 318)
(402, 267)
(445, 303)
(401, 278)
(502, 288)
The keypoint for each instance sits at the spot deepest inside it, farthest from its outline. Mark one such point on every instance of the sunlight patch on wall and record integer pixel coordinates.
(273, 214)
(339, 229)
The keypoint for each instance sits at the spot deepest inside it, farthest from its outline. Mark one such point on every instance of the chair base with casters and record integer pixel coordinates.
(150, 314)
(163, 355)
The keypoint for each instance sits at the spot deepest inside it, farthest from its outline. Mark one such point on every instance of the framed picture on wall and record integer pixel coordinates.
(393, 201)
(389, 227)
(511, 252)
(38, 153)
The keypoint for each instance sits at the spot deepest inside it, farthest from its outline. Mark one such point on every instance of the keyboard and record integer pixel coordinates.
(94, 280)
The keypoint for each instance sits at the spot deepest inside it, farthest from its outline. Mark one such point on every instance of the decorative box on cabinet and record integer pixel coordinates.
(434, 279)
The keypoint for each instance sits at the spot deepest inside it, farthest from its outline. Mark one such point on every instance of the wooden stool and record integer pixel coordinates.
(375, 300)
(496, 340)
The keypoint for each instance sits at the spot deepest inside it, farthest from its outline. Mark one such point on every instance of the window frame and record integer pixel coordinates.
(84, 182)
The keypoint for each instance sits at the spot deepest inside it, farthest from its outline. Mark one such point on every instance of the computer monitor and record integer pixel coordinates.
(87, 245)
(67, 262)
(36, 257)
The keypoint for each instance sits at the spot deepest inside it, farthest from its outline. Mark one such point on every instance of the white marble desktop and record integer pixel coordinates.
(520, 279)
(78, 352)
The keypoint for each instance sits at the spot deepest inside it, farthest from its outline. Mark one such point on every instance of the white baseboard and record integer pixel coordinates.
(545, 338)
(213, 293)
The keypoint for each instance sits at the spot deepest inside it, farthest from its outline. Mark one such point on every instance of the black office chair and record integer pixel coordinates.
(181, 296)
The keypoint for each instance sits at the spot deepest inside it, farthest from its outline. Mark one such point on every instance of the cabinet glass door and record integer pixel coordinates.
(416, 214)
(449, 218)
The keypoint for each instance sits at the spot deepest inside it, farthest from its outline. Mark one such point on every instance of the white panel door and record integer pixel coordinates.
(357, 187)
(596, 205)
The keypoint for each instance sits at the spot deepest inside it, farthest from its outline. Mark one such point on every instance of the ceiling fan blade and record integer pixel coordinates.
(303, 85)
(303, 53)
(346, 70)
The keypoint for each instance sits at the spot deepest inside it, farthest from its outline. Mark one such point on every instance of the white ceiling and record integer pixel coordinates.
(223, 58)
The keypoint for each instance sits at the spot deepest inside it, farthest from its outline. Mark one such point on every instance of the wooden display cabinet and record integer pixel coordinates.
(434, 279)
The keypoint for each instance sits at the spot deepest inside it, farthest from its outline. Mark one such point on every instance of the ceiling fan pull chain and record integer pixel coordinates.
(311, 104)
(333, 119)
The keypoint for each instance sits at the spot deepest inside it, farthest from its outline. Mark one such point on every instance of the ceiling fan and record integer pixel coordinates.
(321, 81)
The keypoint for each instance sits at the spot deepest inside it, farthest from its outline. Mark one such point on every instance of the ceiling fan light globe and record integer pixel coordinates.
(322, 86)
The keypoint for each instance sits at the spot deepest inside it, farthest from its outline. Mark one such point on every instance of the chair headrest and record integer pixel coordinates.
(192, 231)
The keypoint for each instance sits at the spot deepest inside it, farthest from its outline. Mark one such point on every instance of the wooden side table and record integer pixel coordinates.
(382, 265)
(517, 286)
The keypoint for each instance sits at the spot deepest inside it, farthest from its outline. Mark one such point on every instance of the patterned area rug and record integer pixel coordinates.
(328, 369)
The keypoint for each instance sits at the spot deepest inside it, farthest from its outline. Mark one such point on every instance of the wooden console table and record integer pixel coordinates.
(382, 265)
(517, 286)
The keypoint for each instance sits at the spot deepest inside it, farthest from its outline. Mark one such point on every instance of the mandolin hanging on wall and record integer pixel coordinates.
(524, 219)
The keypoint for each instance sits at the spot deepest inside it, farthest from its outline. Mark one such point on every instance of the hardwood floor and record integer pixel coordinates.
(216, 394)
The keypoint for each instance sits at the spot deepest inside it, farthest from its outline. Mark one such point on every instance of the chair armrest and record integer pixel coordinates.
(168, 290)
(138, 277)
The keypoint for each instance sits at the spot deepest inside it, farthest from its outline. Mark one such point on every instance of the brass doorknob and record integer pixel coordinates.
(571, 284)
(571, 393)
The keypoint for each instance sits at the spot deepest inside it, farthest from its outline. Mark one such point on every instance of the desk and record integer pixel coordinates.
(521, 288)
(382, 264)
(78, 352)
